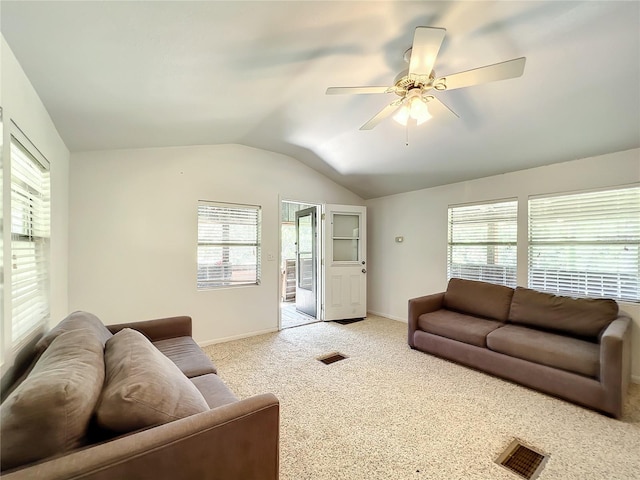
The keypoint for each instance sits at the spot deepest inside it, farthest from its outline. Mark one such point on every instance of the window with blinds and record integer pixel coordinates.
(30, 233)
(228, 245)
(482, 242)
(586, 244)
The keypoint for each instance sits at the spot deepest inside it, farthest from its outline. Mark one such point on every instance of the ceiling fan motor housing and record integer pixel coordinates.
(404, 82)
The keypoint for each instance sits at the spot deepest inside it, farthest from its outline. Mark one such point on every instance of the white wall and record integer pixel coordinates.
(133, 232)
(418, 266)
(21, 104)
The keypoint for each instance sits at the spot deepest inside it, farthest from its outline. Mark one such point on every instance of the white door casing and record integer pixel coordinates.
(344, 262)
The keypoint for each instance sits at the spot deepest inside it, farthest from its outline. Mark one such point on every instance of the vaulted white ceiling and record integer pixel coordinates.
(156, 73)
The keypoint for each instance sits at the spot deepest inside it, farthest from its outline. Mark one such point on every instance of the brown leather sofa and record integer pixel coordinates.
(575, 349)
(227, 439)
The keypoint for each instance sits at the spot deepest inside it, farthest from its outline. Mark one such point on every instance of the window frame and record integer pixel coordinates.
(207, 284)
(510, 278)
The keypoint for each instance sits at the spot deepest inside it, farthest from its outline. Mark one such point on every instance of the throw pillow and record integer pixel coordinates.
(75, 321)
(50, 411)
(143, 387)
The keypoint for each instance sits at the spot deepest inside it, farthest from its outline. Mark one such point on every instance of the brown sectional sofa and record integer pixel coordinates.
(576, 349)
(135, 401)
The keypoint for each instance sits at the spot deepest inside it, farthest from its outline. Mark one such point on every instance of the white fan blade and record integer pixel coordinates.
(358, 90)
(381, 115)
(490, 73)
(426, 45)
(438, 109)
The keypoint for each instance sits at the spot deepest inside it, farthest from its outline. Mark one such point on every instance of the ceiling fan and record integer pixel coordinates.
(414, 86)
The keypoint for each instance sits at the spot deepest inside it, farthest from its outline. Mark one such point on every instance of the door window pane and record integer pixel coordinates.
(305, 252)
(346, 237)
(345, 250)
(305, 234)
(305, 272)
(346, 225)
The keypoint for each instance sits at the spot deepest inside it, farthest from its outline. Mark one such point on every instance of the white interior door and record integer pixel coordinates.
(344, 262)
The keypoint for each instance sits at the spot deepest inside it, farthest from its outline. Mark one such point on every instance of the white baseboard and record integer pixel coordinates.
(386, 315)
(206, 343)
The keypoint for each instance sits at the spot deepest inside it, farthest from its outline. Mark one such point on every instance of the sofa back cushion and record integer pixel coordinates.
(50, 411)
(478, 298)
(143, 387)
(76, 320)
(583, 317)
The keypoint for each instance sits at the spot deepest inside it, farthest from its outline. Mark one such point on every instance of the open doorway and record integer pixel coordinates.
(299, 262)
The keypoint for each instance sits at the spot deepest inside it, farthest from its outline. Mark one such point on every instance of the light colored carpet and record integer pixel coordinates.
(391, 413)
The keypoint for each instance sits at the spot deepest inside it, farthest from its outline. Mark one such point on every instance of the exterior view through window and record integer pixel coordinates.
(228, 245)
(482, 242)
(586, 244)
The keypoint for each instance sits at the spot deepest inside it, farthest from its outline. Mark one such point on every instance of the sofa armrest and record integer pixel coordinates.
(158, 329)
(420, 305)
(235, 441)
(615, 362)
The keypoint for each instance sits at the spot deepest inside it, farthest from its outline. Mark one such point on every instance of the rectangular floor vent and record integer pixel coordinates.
(332, 358)
(348, 321)
(522, 460)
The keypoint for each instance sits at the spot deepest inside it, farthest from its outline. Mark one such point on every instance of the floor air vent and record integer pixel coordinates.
(332, 358)
(348, 321)
(522, 460)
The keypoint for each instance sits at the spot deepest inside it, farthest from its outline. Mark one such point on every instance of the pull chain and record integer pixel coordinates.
(410, 123)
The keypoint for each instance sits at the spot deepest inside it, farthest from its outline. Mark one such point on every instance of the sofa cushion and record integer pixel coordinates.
(214, 390)
(187, 355)
(478, 298)
(74, 321)
(553, 350)
(458, 326)
(585, 317)
(143, 387)
(50, 411)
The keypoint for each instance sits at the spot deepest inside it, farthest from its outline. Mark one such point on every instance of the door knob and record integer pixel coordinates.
(364, 270)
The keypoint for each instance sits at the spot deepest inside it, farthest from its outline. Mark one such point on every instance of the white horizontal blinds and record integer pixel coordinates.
(482, 242)
(586, 244)
(30, 233)
(228, 244)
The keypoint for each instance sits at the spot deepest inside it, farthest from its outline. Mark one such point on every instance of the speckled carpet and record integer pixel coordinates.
(390, 413)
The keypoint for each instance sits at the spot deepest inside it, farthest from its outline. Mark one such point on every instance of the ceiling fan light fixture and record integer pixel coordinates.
(418, 109)
(415, 108)
(402, 115)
